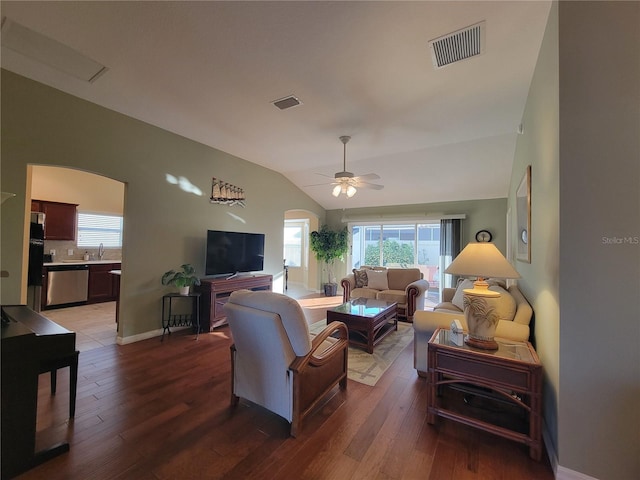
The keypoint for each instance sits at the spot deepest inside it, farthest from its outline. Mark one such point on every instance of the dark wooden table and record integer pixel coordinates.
(368, 320)
(511, 375)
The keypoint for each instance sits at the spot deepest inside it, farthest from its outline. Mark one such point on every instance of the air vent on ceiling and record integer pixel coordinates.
(40, 48)
(287, 102)
(457, 46)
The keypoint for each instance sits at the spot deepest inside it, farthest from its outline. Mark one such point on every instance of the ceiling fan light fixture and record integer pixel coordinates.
(347, 183)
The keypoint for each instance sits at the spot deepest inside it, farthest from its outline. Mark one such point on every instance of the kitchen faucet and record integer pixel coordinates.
(101, 251)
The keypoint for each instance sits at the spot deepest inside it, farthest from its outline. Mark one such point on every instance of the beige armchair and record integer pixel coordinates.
(275, 363)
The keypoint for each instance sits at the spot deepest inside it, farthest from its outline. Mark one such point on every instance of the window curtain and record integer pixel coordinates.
(450, 247)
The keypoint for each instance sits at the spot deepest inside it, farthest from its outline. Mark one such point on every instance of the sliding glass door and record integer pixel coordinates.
(405, 245)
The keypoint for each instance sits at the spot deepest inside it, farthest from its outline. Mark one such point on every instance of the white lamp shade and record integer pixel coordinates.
(336, 190)
(481, 260)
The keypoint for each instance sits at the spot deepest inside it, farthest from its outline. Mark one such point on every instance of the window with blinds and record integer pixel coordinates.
(94, 229)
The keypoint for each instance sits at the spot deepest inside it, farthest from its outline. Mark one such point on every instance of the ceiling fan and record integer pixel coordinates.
(346, 182)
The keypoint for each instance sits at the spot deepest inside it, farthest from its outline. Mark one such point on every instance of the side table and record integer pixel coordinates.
(513, 374)
(172, 319)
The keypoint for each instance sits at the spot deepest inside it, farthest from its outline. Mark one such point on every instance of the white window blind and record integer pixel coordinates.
(94, 229)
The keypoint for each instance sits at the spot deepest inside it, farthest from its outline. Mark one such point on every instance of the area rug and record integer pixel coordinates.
(368, 368)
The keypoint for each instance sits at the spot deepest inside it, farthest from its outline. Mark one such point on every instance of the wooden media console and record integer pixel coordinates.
(216, 291)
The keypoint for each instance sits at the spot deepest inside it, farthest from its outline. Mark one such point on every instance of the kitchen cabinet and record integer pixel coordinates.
(60, 222)
(102, 285)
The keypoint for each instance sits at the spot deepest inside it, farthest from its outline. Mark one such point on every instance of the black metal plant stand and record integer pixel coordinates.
(171, 319)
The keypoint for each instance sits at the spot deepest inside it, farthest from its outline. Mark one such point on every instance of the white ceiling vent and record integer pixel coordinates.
(457, 46)
(40, 48)
(287, 102)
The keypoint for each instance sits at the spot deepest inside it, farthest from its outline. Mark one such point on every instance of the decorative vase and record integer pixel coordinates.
(184, 290)
(482, 321)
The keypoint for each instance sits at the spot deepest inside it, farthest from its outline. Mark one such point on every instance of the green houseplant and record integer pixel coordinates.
(329, 245)
(182, 279)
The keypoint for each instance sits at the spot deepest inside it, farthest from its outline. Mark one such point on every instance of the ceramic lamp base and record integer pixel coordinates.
(482, 343)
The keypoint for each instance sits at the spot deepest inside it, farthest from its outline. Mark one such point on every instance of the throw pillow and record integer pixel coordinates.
(361, 278)
(505, 305)
(377, 279)
(497, 281)
(458, 296)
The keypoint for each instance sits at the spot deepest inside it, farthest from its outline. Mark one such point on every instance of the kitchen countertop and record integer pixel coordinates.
(80, 262)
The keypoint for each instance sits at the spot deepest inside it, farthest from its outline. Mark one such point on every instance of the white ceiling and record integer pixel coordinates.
(209, 70)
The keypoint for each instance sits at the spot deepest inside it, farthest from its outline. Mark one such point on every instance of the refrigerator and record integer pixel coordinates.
(36, 259)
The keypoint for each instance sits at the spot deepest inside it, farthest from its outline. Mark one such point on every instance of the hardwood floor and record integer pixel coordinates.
(153, 410)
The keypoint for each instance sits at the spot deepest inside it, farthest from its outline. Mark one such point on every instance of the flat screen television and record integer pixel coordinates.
(234, 252)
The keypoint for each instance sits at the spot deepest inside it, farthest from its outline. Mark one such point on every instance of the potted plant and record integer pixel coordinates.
(329, 245)
(182, 279)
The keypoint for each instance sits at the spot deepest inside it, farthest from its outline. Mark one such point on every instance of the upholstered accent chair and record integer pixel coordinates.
(275, 362)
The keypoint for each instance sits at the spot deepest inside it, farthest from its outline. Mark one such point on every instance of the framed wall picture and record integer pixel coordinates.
(523, 218)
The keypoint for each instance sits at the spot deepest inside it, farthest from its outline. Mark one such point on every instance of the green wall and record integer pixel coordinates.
(582, 139)
(599, 410)
(538, 147)
(164, 224)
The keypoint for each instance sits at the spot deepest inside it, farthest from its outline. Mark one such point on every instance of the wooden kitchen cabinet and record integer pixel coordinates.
(60, 221)
(102, 285)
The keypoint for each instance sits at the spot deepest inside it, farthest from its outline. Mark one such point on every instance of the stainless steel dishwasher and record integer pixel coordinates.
(67, 284)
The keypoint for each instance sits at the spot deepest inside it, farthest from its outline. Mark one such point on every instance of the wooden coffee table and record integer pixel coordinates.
(368, 320)
(511, 375)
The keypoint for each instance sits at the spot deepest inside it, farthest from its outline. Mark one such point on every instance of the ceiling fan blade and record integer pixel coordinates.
(323, 175)
(368, 176)
(317, 185)
(321, 184)
(372, 186)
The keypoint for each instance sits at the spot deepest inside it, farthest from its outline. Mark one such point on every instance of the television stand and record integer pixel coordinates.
(215, 292)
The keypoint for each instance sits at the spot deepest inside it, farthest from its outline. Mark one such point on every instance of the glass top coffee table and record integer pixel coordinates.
(368, 320)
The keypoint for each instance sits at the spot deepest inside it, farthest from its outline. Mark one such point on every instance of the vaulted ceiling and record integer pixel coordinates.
(210, 70)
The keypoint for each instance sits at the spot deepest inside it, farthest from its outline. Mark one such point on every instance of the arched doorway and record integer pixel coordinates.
(301, 264)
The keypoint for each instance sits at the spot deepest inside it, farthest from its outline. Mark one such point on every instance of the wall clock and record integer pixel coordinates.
(484, 236)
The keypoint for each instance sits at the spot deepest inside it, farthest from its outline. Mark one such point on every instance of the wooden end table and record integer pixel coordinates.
(368, 320)
(512, 374)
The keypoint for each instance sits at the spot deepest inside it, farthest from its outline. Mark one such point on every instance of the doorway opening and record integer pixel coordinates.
(97, 243)
(300, 268)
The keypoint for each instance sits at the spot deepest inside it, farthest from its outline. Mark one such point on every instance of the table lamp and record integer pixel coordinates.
(481, 260)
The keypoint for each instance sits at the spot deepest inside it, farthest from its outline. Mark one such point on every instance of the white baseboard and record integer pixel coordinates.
(144, 336)
(563, 473)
